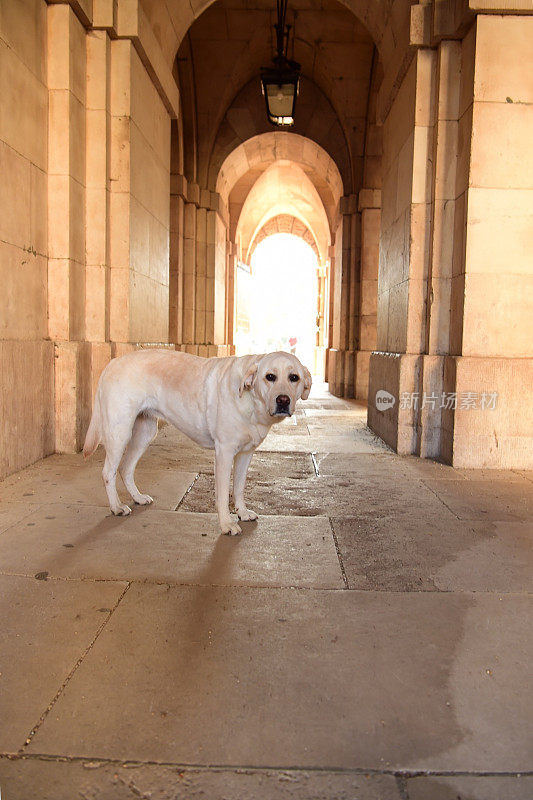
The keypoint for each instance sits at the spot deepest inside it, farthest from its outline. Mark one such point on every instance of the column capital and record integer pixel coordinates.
(348, 204)
(369, 198)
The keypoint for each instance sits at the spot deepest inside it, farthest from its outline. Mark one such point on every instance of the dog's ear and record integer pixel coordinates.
(308, 381)
(249, 378)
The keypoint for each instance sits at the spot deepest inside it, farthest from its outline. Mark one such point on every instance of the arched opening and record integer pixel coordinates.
(238, 174)
(235, 175)
(277, 300)
(280, 182)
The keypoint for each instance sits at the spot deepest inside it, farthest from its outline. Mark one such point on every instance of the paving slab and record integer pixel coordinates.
(361, 440)
(499, 559)
(329, 403)
(470, 787)
(426, 468)
(486, 500)
(353, 412)
(434, 552)
(325, 496)
(297, 424)
(13, 512)
(85, 542)
(370, 468)
(29, 779)
(81, 482)
(264, 463)
(315, 678)
(335, 423)
(46, 626)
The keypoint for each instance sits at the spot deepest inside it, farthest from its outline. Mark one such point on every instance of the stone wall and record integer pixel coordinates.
(455, 275)
(26, 354)
(87, 102)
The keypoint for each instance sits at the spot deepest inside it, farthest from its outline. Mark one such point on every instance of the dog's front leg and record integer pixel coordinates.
(240, 470)
(223, 463)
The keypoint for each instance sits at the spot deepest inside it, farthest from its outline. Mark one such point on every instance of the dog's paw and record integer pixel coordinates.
(121, 511)
(245, 514)
(143, 499)
(231, 529)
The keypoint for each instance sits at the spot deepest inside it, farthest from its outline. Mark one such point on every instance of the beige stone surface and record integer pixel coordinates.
(26, 403)
(172, 548)
(448, 787)
(50, 626)
(232, 659)
(498, 237)
(494, 323)
(21, 124)
(208, 623)
(52, 781)
(502, 45)
(504, 161)
(23, 28)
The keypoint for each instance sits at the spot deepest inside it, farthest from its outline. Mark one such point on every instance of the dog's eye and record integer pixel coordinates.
(270, 377)
(293, 377)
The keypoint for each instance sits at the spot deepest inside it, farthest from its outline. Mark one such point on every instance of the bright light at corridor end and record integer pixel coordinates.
(277, 302)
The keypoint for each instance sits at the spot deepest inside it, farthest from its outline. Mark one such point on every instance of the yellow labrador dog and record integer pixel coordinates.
(225, 404)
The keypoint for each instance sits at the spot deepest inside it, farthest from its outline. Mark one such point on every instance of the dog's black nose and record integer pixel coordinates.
(283, 400)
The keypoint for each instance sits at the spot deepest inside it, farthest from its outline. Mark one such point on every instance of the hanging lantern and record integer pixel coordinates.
(280, 83)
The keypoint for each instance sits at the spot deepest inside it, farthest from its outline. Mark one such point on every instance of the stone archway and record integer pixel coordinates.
(284, 223)
(282, 174)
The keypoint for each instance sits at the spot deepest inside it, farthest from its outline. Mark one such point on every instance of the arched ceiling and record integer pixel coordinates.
(283, 189)
(284, 223)
(224, 50)
(315, 120)
(171, 19)
(248, 161)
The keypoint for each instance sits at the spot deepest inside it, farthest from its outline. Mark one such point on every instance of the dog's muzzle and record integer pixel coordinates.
(283, 405)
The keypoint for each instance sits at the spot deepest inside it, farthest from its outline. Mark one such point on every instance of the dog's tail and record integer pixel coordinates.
(92, 439)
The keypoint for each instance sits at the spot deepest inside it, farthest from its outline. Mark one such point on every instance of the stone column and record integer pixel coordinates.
(67, 59)
(176, 286)
(370, 208)
(204, 272)
(492, 266)
(402, 279)
(97, 173)
(455, 273)
(139, 202)
(344, 294)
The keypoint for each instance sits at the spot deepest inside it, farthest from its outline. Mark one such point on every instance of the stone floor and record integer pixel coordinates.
(369, 637)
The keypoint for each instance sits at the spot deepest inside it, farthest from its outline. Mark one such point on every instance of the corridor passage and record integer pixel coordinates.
(369, 637)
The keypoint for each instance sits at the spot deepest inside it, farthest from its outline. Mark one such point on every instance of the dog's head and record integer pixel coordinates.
(279, 380)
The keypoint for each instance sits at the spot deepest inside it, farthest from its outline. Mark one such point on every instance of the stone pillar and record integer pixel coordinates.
(139, 202)
(455, 272)
(402, 279)
(177, 223)
(492, 267)
(67, 59)
(202, 283)
(230, 295)
(344, 301)
(370, 208)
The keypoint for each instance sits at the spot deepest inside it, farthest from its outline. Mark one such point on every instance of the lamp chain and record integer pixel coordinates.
(280, 27)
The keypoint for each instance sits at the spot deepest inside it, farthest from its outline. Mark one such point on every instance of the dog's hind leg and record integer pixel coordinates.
(115, 445)
(144, 431)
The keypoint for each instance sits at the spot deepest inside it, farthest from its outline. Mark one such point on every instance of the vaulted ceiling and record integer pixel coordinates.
(219, 62)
